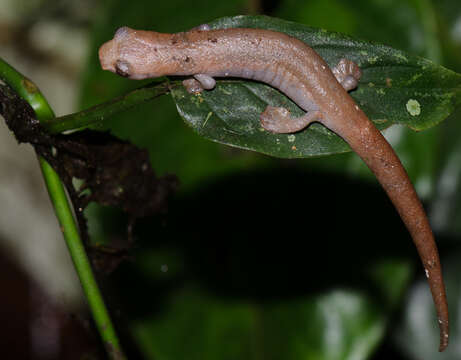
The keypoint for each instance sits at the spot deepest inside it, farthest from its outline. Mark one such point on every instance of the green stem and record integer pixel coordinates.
(80, 260)
(99, 113)
(26, 89)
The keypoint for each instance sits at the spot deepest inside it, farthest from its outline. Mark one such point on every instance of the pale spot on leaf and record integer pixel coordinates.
(413, 107)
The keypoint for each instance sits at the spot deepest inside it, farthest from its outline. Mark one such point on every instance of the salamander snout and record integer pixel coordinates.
(110, 59)
(107, 56)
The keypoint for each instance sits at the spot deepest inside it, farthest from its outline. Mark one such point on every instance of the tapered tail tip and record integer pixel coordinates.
(444, 335)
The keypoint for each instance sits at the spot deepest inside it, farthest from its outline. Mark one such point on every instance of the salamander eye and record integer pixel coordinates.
(122, 68)
(122, 32)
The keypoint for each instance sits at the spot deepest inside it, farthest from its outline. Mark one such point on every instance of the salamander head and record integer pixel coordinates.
(135, 54)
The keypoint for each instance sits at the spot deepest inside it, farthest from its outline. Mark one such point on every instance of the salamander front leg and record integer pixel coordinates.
(278, 120)
(202, 27)
(199, 83)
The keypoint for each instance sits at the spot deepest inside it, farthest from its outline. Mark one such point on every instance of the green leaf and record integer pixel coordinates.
(230, 115)
(337, 325)
(396, 88)
(198, 327)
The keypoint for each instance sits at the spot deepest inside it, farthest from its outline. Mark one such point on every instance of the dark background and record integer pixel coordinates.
(256, 258)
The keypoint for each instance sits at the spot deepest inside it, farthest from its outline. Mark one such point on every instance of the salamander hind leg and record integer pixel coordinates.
(347, 73)
(278, 120)
(199, 83)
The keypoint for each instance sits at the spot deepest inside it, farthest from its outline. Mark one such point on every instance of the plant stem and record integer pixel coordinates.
(98, 113)
(80, 260)
(29, 91)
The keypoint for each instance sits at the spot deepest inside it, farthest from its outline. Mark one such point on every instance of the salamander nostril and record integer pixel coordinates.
(122, 68)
